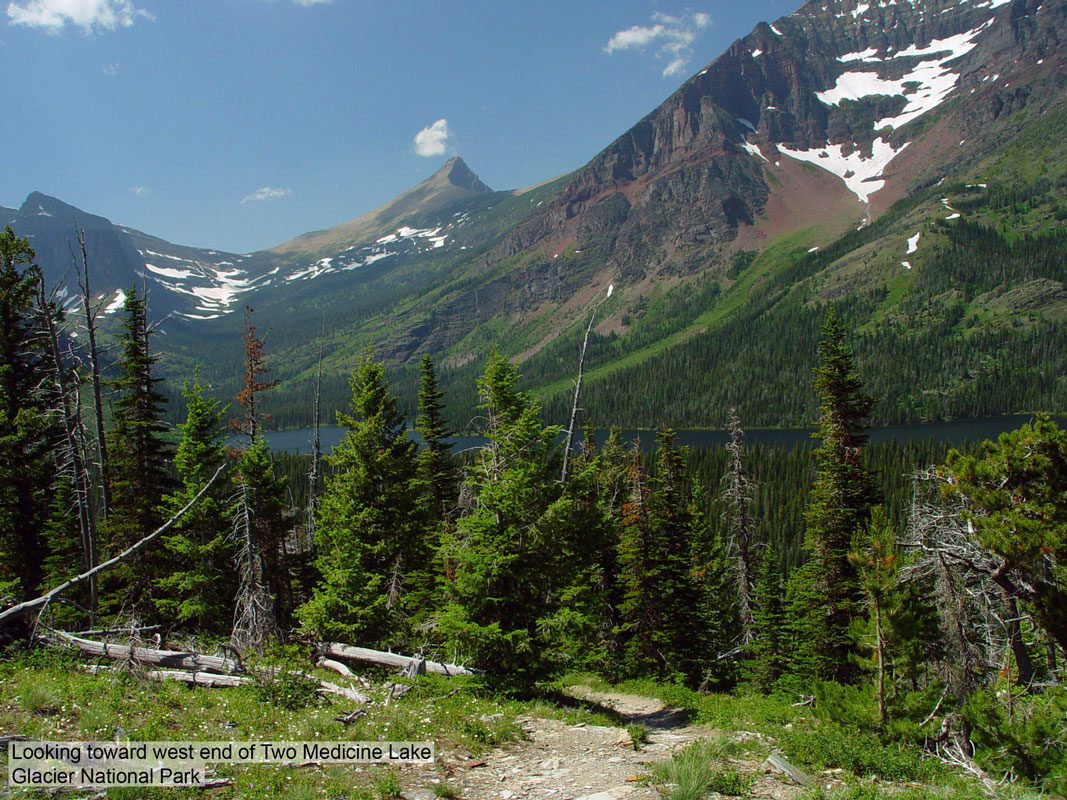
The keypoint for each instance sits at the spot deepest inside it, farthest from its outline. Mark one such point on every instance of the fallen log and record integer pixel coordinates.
(194, 662)
(213, 680)
(779, 764)
(341, 669)
(209, 680)
(347, 651)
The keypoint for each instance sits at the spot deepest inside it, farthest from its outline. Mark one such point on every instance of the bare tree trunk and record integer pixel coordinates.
(80, 477)
(254, 621)
(879, 640)
(737, 495)
(1015, 636)
(316, 454)
(578, 386)
(94, 361)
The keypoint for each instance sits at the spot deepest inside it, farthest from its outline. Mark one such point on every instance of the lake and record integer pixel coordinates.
(956, 431)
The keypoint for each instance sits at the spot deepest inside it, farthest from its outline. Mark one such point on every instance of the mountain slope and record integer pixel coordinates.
(903, 159)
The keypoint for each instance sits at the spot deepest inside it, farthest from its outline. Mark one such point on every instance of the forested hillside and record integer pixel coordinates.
(908, 591)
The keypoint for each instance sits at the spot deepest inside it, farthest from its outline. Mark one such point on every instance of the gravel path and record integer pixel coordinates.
(560, 761)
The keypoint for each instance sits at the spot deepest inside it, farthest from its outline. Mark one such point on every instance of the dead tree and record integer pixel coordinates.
(94, 363)
(71, 422)
(316, 455)
(738, 495)
(254, 619)
(578, 385)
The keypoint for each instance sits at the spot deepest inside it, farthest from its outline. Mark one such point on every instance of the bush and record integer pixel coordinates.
(831, 745)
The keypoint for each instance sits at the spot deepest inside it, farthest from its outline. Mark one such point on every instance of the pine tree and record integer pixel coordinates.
(200, 587)
(139, 453)
(770, 644)
(668, 564)
(517, 581)
(27, 434)
(435, 461)
(370, 531)
(840, 503)
(875, 560)
(1015, 504)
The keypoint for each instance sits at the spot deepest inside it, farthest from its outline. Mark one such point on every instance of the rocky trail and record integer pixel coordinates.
(561, 761)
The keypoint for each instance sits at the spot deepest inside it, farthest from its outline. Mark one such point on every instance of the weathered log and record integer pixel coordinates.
(146, 655)
(347, 651)
(213, 680)
(341, 669)
(210, 680)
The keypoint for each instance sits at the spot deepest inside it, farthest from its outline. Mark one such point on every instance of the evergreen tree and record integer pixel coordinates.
(1015, 503)
(520, 601)
(200, 585)
(139, 453)
(672, 615)
(770, 642)
(875, 559)
(370, 531)
(435, 461)
(840, 503)
(27, 435)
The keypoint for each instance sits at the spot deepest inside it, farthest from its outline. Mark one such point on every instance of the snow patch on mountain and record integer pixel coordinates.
(925, 86)
(860, 172)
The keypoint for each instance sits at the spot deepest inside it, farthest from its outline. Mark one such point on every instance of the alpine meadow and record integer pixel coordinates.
(667, 477)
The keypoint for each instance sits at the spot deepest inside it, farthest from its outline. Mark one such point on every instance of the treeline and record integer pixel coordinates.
(937, 617)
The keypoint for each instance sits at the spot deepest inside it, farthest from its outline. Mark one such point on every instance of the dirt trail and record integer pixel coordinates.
(560, 761)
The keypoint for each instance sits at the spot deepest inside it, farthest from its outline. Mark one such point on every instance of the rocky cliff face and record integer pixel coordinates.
(841, 84)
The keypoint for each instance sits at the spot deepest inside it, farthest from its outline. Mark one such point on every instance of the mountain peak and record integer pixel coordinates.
(453, 182)
(456, 172)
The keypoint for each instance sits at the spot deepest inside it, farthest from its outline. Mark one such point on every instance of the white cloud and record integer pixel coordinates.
(267, 193)
(140, 191)
(672, 35)
(111, 68)
(54, 15)
(311, 2)
(433, 140)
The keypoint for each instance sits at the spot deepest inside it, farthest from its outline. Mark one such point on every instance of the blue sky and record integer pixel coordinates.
(238, 124)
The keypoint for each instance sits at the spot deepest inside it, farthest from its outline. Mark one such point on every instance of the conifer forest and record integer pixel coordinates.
(912, 596)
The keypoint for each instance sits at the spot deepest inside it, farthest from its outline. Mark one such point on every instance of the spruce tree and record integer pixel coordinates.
(435, 460)
(370, 531)
(139, 453)
(671, 616)
(27, 433)
(200, 586)
(770, 640)
(517, 580)
(838, 509)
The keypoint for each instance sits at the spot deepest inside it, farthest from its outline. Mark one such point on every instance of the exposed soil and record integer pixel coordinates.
(560, 761)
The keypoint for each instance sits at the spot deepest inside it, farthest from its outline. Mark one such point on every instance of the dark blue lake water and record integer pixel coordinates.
(958, 431)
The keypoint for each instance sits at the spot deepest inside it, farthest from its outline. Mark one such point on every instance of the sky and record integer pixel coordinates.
(239, 124)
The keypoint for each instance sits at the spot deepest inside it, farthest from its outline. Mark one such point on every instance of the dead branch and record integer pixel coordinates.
(44, 599)
(347, 651)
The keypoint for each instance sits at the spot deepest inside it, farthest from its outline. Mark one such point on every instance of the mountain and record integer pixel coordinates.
(453, 182)
(903, 159)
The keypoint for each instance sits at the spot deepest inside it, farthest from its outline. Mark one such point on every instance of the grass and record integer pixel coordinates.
(44, 696)
(700, 767)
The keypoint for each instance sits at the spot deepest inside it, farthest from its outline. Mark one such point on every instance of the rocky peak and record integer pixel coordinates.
(456, 172)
